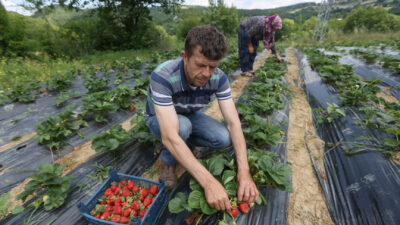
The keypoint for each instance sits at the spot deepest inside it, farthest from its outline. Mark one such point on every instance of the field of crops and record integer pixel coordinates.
(58, 139)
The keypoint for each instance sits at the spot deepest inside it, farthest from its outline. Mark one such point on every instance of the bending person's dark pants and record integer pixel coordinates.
(246, 59)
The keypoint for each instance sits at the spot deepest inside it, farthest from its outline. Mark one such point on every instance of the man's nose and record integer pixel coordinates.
(207, 71)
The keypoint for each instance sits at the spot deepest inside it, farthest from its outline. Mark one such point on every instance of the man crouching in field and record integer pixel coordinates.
(178, 90)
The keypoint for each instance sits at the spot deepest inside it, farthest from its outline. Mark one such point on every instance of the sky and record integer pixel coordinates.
(12, 5)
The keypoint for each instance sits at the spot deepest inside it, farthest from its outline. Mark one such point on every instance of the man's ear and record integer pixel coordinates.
(183, 54)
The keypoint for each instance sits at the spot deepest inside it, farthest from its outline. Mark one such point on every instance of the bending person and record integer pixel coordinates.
(250, 32)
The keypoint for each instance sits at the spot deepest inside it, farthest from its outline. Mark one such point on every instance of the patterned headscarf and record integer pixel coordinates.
(273, 21)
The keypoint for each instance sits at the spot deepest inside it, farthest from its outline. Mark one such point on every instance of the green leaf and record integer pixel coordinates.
(216, 164)
(205, 208)
(18, 209)
(194, 199)
(194, 185)
(112, 144)
(4, 199)
(228, 176)
(177, 204)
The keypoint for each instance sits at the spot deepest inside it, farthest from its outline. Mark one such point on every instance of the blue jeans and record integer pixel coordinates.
(196, 129)
(246, 59)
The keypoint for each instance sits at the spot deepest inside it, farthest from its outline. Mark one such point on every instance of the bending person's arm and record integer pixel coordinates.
(215, 193)
(275, 52)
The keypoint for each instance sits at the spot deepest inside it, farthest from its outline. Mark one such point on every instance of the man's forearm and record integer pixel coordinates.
(239, 144)
(178, 148)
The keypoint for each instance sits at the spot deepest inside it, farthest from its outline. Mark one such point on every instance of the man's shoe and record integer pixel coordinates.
(168, 175)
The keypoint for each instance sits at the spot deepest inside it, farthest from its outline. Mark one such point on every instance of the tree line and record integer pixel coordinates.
(62, 29)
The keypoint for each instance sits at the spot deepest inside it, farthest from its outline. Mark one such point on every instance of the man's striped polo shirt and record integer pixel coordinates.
(168, 86)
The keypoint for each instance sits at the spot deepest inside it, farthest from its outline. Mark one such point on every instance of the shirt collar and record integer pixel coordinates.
(184, 84)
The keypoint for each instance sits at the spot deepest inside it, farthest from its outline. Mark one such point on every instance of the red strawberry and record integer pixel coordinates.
(130, 184)
(113, 188)
(98, 215)
(124, 220)
(147, 202)
(117, 210)
(154, 189)
(105, 215)
(145, 192)
(131, 108)
(234, 211)
(116, 218)
(123, 182)
(127, 212)
(126, 193)
(111, 201)
(244, 207)
(135, 206)
(141, 198)
(108, 192)
(135, 188)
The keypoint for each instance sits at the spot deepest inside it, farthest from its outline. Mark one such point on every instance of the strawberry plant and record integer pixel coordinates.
(3, 97)
(230, 64)
(140, 131)
(369, 56)
(23, 92)
(64, 96)
(332, 112)
(123, 96)
(50, 180)
(391, 62)
(60, 82)
(96, 84)
(224, 168)
(99, 105)
(110, 141)
(5, 207)
(359, 93)
(141, 85)
(259, 132)
(55, 131)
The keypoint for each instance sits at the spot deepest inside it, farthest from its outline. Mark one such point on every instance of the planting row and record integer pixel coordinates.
(357, 127)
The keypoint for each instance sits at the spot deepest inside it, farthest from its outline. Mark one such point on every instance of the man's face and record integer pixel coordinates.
(198, 69)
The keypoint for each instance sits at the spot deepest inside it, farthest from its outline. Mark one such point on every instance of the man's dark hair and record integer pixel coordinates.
(212, 42)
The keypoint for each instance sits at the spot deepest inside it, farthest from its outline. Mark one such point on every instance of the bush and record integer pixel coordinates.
(373, 19)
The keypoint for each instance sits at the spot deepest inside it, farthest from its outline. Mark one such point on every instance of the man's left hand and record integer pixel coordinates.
(247, 190)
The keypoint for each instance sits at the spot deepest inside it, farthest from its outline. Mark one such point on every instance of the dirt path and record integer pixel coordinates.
(15, 143)
(307, 203)
(237, 88)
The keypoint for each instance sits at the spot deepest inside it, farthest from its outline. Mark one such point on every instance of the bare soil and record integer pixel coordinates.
(307, 204)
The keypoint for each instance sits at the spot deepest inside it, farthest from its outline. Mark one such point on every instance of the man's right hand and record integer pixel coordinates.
(216, 195)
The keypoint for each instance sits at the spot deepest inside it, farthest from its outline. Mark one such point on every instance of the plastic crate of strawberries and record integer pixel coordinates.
(125, 199)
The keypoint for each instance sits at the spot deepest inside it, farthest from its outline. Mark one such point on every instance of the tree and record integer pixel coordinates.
(121, 23)
(373, 19)
(187, 24)
(223, 18)
(4, 29)
(288, 31)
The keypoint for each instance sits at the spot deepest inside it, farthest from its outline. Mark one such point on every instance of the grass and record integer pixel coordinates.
(20, 70)
(357, 38)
